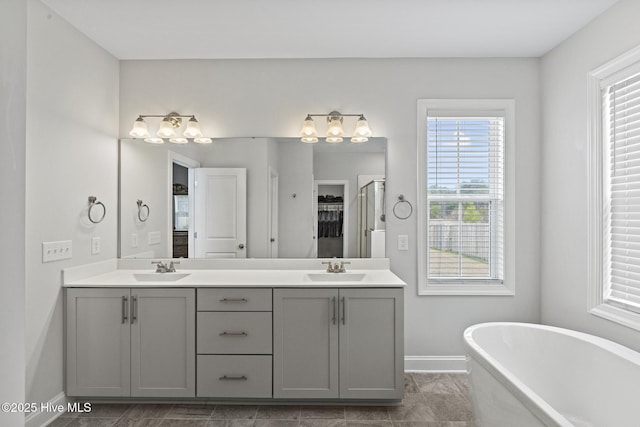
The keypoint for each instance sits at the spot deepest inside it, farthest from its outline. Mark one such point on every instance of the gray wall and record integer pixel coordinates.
(13, 64)
(271, 98)
(295, 196)
(144, 175)
(564, 172)
(71, 154)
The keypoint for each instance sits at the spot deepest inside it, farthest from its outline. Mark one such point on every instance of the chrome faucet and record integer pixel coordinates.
(335, 268)
(329, 266)
(342, 264)
(165, 268)
(161, 268)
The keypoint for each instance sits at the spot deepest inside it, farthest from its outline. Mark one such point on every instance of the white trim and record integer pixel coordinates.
(272, 226)
(40, 418)
(435, 364)
(618, 315)
(595, 239)
(616, 69)
(507, 288)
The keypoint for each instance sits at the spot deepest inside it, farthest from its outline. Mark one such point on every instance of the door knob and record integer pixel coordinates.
(272, 239)
(241, 245)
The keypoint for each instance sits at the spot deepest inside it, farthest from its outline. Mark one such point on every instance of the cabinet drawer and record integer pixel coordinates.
(234, 333)
(234, 299)
(234, 376)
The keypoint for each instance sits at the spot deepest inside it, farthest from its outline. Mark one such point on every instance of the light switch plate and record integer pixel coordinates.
(56, 251)
(134, 240)
(403, 242)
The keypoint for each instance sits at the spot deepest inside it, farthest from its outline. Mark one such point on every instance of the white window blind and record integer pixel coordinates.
(622, 193)
(465, 194)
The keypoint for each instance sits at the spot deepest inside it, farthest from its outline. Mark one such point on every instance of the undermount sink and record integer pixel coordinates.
(336, 277)
(159, 277)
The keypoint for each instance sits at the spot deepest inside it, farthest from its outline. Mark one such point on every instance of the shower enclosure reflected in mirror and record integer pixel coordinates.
(250, 198)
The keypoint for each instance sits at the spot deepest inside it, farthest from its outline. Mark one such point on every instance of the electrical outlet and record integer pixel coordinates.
(134, 240)
(55, 251)
(153, 238)
(403, 242)
(95, 245)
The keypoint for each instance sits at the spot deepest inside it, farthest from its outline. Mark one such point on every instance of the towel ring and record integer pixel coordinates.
(401, 202)
(93, 201)
(141, 207)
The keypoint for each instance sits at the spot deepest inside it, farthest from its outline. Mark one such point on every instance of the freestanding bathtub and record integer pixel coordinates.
(524, 375)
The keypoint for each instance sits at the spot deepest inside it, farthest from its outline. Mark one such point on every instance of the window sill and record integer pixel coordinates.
(617, 315)
(466, 289)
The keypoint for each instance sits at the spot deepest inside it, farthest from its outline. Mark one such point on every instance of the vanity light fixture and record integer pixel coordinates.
(335, 133)
(167, 129)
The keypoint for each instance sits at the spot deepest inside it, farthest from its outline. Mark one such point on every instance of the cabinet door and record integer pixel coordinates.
(163, 342)
(98, 342)
(305, 343)
(371, 344)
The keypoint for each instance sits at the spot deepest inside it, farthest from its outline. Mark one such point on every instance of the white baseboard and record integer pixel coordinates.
(44, 417)
(435, 363)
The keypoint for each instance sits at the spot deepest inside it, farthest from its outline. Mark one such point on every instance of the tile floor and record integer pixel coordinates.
(431, 400)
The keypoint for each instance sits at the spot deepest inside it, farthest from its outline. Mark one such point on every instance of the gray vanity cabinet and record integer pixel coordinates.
(305, 343)
(98, 342)
(338, 343)
(371, 344)
(130, 342)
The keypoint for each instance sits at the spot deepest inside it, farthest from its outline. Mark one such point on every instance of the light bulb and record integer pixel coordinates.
(359, 139)
(203, 140)
(166, 129)
(193, 129)
(139, 129)
(179, 140)
(152, 140)
(335, 128)
(362, 127)
(308, 132)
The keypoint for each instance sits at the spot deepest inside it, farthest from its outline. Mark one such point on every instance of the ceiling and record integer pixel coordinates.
(215, 29)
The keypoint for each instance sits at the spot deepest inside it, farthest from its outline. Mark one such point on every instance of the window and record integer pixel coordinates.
(462, 145)
(615, 196)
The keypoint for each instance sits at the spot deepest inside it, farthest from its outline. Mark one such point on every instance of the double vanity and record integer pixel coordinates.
(272, 330)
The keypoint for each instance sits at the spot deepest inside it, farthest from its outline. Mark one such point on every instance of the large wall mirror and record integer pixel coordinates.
(252, 198)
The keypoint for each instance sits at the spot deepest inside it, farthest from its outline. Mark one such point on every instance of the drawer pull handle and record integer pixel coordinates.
(241, 300)
(233, 378)
(233, 334)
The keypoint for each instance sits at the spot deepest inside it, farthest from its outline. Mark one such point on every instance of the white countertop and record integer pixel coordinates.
(109, 275)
